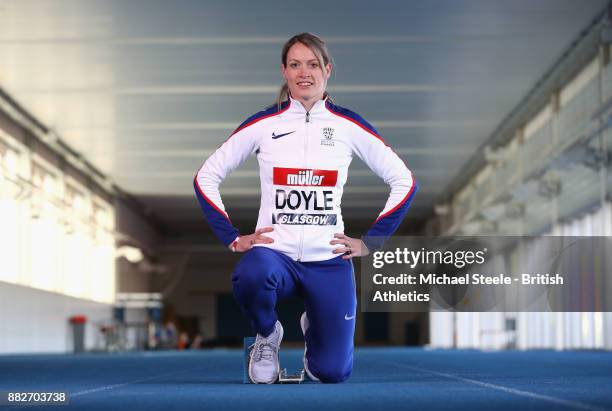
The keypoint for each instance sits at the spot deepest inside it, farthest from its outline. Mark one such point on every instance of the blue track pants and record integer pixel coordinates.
(264, 276)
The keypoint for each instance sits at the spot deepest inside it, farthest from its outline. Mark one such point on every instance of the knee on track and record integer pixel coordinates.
(332, 375)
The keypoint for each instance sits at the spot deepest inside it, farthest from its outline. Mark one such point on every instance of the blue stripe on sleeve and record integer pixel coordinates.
(384, 228)
(354, 117)
(219, 223)
(273, 109)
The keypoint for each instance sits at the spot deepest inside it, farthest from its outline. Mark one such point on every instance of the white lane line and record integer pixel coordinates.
(112, 387)
(568, 403)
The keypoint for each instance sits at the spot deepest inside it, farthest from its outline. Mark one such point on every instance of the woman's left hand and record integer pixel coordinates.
(353, 247)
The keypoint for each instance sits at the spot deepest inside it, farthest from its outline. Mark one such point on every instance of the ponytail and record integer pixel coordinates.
(283, 95)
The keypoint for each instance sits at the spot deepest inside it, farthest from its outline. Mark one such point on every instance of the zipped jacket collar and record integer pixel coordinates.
(297, 107)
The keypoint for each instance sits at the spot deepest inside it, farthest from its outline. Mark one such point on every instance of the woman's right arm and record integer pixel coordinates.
(233, 152)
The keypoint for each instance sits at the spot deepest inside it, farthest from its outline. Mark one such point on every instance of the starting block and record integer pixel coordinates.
(283, 378)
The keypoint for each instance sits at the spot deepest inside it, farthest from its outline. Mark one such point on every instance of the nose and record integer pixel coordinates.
(303, 72)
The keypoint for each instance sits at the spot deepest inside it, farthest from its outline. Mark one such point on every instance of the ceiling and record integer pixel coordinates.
(145, 90)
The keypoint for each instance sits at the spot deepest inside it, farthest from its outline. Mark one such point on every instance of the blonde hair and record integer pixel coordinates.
(319, 49)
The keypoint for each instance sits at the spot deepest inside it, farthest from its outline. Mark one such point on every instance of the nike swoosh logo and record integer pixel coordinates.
(275, 136)
(347, 318)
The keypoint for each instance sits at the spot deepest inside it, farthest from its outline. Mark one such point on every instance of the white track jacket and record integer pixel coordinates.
(303, 164)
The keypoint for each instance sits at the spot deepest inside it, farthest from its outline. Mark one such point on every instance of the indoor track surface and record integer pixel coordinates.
(383, 379)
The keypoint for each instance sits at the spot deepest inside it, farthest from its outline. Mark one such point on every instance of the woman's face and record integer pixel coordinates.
(304, 75)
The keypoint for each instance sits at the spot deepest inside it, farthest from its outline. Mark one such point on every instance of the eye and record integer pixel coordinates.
(314, 65)
(293, 65)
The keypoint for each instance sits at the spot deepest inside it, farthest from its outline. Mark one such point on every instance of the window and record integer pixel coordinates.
(57, 235)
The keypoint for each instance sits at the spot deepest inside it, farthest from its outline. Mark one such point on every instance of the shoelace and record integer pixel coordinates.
(263, 349)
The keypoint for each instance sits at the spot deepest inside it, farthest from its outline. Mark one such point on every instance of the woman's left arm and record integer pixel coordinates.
(371, 148)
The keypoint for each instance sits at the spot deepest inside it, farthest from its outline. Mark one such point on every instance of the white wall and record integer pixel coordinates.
(36, 321)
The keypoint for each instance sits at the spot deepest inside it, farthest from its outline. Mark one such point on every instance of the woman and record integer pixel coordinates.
(304, 145)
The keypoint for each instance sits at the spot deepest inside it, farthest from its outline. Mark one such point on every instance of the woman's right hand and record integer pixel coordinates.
(245, 242)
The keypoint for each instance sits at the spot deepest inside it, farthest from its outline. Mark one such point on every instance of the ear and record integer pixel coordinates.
(282, 70)
(328, 68)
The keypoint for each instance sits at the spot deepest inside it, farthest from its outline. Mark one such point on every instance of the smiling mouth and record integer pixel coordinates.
(304, 83)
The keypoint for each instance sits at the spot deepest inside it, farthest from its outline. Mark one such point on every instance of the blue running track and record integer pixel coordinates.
(383, 379)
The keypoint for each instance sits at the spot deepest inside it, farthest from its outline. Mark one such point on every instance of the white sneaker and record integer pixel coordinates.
(304, 323)
(263, 360)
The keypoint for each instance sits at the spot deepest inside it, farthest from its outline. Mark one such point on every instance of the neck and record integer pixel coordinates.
(308, 104)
